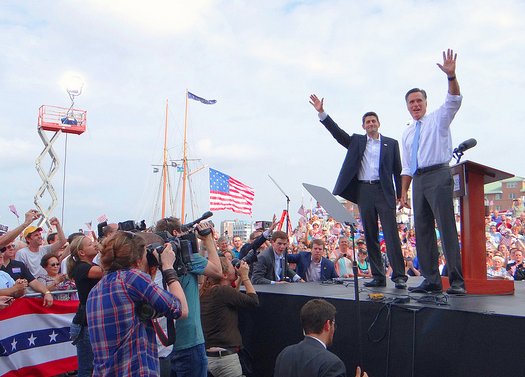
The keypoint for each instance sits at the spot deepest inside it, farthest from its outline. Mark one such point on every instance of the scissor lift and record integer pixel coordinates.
(58, 120)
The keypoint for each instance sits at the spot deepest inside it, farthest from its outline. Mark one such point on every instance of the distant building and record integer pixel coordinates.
(499, 195)
(232, 228)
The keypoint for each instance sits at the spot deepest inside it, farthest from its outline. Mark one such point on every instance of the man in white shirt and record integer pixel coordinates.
(427, 151)
(371, 165)
(33, 253)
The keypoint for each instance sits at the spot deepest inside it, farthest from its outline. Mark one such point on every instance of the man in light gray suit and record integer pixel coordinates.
(271, 266)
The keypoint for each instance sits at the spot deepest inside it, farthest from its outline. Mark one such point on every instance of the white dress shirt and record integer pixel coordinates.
(369, 170)
(313, 273)
(435, 139)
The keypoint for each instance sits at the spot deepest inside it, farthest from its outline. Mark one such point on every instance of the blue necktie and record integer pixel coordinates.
(415, 145)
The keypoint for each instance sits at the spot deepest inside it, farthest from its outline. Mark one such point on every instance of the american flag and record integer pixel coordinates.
(102, 218)
(35, 340)
(229, 193)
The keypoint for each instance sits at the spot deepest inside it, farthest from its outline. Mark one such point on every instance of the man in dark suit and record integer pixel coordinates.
(271, 266)
(366, 179)
(312, 266)
(310, 357)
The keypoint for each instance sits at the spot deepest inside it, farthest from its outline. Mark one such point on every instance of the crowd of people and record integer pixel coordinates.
(113, 267)
(120, 291)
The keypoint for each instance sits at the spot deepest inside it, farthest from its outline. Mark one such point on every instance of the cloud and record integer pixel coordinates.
(260, 61)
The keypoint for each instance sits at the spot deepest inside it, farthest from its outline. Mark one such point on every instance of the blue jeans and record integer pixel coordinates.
(190, 362)
(84, 351)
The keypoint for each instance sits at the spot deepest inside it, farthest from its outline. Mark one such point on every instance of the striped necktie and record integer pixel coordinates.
(415, 146)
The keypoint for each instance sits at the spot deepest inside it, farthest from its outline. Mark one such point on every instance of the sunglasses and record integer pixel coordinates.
(54, 264)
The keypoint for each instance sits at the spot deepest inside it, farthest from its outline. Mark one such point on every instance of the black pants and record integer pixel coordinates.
(432, 195)
(372, 203)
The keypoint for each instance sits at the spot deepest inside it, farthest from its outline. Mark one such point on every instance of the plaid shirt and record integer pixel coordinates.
(122, 344)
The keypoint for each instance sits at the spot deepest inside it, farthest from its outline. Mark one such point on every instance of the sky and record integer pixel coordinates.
(260, 61)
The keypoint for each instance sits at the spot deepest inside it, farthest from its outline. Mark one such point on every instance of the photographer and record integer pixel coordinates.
(189, 353)
(220, 305)
(123, 344)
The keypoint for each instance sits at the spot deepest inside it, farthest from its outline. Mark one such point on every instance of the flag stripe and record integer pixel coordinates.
(43, 370)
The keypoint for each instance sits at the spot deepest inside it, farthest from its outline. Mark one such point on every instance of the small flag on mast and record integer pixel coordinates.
(200, 99)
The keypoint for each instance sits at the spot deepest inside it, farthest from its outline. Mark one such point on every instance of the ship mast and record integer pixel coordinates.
(184, 160)
(165, 165)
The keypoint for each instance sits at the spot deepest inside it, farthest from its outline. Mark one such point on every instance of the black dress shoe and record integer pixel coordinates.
(375, 283)
(426, 288)
(456, 291)
(401, 285)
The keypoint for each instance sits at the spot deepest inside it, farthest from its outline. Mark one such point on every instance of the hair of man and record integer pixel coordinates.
(169, 224)
(314, 315)
(416, 90)
(279, 234)
(368, 114)
(317, 241)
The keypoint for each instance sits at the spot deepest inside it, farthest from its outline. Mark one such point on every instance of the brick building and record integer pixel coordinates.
(499, 195)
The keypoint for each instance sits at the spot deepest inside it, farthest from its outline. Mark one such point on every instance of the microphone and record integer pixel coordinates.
(467, 144)
(188, 226)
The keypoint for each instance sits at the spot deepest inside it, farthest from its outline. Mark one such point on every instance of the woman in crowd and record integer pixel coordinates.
(411, 237)
(85, 274)
(363, 267)
(490, 255)
(120, 307)
(503, 251)
(220, 304)
(228, 255)
(497, 271)
(53, 280)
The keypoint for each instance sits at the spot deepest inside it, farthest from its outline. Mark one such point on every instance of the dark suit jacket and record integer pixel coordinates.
(264, 268)
(302, 260)
(389, 164)
(308, 359)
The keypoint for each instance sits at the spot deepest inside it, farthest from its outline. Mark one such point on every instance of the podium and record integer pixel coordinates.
(469, 180)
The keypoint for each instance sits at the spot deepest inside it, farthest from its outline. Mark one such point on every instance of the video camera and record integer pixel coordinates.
(132, 226)
(249, 258)
(183, 246)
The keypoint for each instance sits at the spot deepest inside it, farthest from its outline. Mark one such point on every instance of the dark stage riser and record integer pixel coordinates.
(421, 341)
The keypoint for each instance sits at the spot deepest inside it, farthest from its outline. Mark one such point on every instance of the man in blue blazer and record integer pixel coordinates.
(312, 266)
(372, 161)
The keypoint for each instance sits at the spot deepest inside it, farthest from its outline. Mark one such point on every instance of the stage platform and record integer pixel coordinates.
(471, 335)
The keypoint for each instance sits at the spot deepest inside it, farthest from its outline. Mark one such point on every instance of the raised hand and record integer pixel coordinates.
(449, 63)
(31, 216)
(274, 224)
(54, 221)
(314, 101)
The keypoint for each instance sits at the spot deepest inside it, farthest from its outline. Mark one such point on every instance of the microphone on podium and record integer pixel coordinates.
(464, 146)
